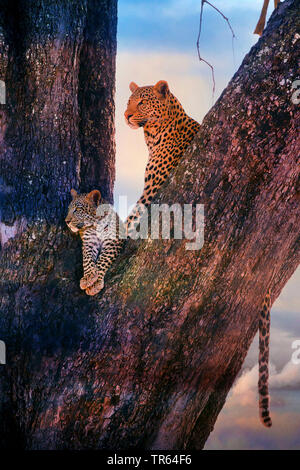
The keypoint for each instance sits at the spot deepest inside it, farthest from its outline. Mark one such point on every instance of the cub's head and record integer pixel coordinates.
(82, 210)
(147, 104)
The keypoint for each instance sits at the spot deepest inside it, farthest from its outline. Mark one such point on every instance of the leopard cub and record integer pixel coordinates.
(98, 226)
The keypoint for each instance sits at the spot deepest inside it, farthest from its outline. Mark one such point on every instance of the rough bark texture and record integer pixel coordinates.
(57, 60)
(58, 63)
(149, 361)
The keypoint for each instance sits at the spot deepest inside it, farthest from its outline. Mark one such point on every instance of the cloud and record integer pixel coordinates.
(244, 392)
(243, 430)
(289, 299)
(285, 326)
(238, 425)
(289, 377)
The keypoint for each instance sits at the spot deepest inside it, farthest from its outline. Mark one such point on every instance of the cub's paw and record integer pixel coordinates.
(88, 280)
(97, 287)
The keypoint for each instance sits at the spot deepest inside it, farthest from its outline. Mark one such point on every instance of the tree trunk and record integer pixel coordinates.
(149, 361)
(57, 60)
(58, 63)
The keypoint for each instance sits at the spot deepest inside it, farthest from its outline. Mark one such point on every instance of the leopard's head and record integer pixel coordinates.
(82, 210)
(147, 104)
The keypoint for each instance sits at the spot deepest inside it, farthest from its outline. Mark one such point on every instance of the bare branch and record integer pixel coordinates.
(225, 17)
(262, 19)
(198, 40)
(198, 50)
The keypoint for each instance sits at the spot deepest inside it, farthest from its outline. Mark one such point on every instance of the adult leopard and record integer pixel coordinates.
(168, 131)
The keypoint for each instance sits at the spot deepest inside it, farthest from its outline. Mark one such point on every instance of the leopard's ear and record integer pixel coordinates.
(161, 89)
(73, 193)
(133, 86)
(94, 197)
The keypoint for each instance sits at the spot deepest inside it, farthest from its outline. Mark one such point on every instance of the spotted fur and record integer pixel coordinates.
(100, 241)
(168, 131)
(263, 381)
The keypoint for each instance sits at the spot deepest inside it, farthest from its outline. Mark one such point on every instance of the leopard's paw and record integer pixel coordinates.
(88, 280)
(97, 287)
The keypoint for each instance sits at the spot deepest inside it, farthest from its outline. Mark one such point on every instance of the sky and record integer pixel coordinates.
(157, 41)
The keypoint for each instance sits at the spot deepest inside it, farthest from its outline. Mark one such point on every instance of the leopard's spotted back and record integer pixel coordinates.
(168, 131)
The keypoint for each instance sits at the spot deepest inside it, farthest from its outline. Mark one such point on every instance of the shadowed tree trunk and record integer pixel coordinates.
(57, 60)
(149, 361)
(58, 63)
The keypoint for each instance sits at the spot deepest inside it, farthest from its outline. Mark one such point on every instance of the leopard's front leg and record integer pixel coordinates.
(110, 250)
(90, 249)
(153, 181)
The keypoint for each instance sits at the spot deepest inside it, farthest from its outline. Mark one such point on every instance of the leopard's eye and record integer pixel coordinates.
(141, 103)
(75, 210)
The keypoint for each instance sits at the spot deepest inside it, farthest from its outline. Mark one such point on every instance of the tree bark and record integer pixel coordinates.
(149, 361)
(57, 60)
(58, 63)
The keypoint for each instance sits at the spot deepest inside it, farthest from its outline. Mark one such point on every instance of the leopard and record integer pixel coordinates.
(98, 225)
(168, 131)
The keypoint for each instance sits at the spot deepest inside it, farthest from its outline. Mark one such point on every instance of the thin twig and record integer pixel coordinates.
(198, 40)
(198, 49)
(225, 17)
(229, 25)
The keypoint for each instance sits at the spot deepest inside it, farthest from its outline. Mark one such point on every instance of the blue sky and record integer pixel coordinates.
(157, 40)
(173, 24)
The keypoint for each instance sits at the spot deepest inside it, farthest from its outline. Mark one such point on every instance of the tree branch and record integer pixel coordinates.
(198, 40)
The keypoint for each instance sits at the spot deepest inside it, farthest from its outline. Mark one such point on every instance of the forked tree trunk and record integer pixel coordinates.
(149, 361)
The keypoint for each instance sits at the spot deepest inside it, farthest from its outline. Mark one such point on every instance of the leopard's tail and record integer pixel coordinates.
(263, 381)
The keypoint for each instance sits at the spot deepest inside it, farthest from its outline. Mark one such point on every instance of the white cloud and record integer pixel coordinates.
(243, 430)
(244, 392)
(289, 377)
(289, 299)
(238, 425)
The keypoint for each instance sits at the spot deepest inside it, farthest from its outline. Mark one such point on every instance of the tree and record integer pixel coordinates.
(149, 361)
